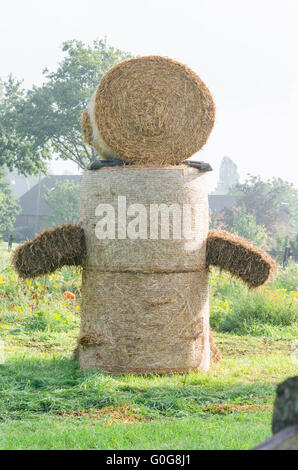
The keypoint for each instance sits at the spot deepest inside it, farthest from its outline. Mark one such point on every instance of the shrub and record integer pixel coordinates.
(286, 278)
(38, 304)
(263, 307)
(269, 311)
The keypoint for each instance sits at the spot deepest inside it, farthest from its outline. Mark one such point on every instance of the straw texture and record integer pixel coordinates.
(151, 111)
(145, 302)
(101, 147)
(216, 355)
(179, 185)
(86, 127)
(50, 250)
(240, 257)
(144, 323)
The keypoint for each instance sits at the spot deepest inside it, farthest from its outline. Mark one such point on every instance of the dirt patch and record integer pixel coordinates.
(235, 346)
(125, 414)
(225, 408)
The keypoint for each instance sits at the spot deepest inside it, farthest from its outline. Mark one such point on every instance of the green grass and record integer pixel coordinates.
(197, 433)
(46, 402)
(270, 311)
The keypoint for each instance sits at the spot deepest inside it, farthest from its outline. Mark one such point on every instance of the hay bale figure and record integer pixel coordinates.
(145, 298)
(152, 314)
(144, 301)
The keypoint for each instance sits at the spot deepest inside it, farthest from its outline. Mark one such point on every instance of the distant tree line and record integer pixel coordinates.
(266, 212)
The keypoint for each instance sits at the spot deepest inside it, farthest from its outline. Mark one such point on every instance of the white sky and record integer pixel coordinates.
(245, 51)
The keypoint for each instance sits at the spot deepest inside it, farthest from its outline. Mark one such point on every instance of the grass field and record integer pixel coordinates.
(46, 402)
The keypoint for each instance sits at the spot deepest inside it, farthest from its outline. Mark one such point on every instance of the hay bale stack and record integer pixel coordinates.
(50, 250)
(145, 302)
(240, 257)
(151, 111)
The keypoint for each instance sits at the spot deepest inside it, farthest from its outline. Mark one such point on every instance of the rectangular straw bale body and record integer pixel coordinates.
(145, 301)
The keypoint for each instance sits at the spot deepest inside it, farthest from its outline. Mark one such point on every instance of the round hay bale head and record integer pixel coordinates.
(152, 111)
(145, 301)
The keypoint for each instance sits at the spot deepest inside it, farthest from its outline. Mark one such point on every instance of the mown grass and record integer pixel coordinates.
(46, 402)
(192, 433)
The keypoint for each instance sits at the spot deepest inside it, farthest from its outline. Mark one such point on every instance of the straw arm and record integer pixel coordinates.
(240, 257)
(50, 250)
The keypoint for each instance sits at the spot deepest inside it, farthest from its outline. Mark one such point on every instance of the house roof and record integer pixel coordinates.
(18, 184)
(29, 200)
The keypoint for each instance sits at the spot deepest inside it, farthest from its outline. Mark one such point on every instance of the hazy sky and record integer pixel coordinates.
(244, 50)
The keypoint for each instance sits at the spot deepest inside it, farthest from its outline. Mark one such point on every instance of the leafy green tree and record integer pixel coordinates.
(245, 225)
(238, 220)
(17, 150)
(64, 202)
(264, 199)
(45, 121)
(9, 206)
(287, 194)
(53, 110)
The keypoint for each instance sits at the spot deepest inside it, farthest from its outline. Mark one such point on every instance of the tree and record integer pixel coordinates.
(17, 150)
(264, 199)
(45, 121)
(9, 206)
(237, 220)
(266, 211)
(64, 202)
(245, 225)
(52, 112)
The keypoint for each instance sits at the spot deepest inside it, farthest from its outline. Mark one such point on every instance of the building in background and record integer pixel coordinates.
(19, 184)
(219, 202)
(31, 220)
(228, 176)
